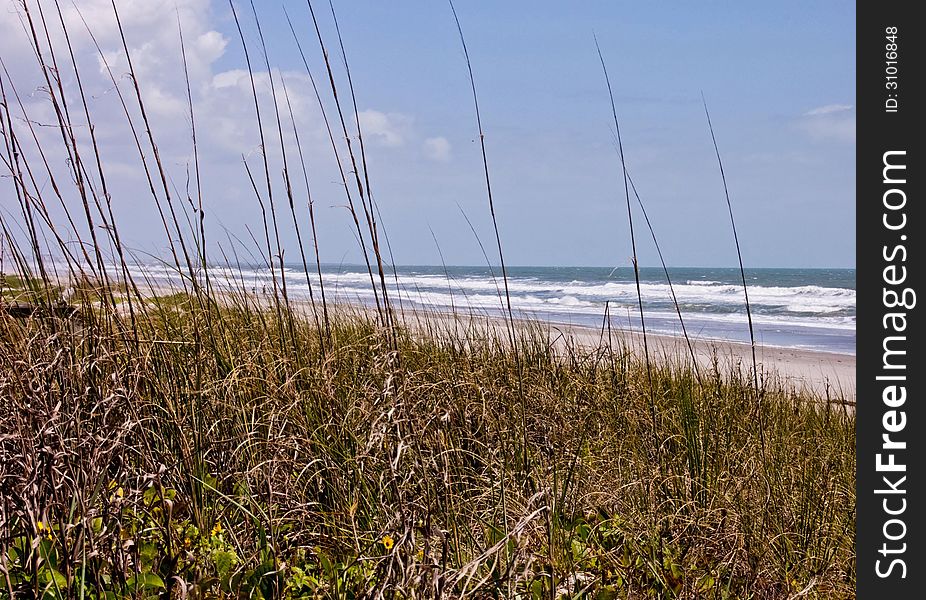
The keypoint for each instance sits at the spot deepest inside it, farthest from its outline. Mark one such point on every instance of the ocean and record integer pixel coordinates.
(813, 309)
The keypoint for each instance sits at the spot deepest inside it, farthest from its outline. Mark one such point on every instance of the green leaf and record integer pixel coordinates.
(706, 583)
(148, 552)
(144, 581)
(48, 553)
(149, 495)
(324, 562)
(53, 579)
(224, 561)
(607, 592)
(210, 481)
(578, 549)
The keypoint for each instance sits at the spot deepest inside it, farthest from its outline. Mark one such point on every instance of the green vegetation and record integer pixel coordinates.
(11, 282)
(15, 288)
(213, 457)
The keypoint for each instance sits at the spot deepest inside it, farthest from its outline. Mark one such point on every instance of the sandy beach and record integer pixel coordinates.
(825, 374)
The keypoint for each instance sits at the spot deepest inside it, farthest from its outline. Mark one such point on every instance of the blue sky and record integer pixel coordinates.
(779, 79)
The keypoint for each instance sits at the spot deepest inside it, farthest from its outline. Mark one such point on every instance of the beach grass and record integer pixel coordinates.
(210, 457)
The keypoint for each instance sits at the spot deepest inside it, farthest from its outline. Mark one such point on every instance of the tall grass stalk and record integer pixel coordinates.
(665, 269)
(382, 309)
(525, 476)
(488, 179)
(633, 245)
(739, 257)
(370, 209)
(267, 179)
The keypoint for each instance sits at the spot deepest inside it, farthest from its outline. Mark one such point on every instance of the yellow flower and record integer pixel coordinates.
(119, 492)
(217, 529)
(388, 542)
(40, 525)
(187, 542)
(420, 555)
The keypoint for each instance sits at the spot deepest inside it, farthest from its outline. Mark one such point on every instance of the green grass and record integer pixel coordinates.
(12, 282)
(17, 288)
(213, 457)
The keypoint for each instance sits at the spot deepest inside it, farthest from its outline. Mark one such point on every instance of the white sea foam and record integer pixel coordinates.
(810, 300)
(707, 304)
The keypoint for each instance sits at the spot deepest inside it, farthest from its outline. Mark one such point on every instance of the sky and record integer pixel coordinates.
(779, 79)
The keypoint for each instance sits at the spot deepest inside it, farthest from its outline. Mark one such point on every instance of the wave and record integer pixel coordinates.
(706, 303)
(808, 299)
(702, 282)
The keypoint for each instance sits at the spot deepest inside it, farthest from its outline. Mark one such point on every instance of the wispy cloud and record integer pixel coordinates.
(388, 129)
(831, 122)
(828, 109)
(437, 149)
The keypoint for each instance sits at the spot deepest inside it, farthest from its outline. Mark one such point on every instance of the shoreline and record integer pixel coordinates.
(821, 373)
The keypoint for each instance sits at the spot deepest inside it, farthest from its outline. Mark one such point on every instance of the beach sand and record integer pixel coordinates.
(821, 373)
(828, 375)
(824, 374)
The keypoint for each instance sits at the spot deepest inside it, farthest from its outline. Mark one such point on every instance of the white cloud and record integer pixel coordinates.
(165, 103)
(221, 93)
(437, 148)
(222, 100)
(832, 122)
(211, 45)
(388, 129)
(231, 78)
(828, 110)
